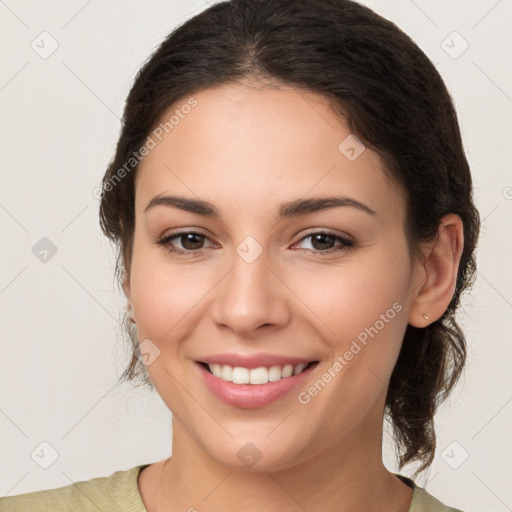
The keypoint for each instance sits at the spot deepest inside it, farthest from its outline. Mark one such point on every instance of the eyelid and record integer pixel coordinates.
(165, 239)
(198, 231)
(181, 231)
(347, 241)
(326, 231)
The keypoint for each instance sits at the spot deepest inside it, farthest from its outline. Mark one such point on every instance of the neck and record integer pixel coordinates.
(347, 478)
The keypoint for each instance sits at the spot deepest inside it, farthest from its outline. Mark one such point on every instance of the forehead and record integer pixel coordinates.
(241, 142)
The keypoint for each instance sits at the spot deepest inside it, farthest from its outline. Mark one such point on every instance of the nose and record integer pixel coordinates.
(250, 298)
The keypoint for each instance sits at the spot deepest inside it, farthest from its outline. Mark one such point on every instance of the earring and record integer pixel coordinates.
(425, 317)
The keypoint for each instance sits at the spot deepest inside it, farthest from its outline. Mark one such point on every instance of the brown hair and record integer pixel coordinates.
(393, 99)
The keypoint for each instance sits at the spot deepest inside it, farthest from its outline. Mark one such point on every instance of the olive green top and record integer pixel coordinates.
(119, 493)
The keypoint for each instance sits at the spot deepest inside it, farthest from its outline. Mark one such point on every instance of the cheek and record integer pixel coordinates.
(165, 299)
(344, 301)
(364, 305)
(163, 294)
(357, 293)
(161, 301)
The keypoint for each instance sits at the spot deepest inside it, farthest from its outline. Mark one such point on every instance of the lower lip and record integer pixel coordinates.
(252, 396)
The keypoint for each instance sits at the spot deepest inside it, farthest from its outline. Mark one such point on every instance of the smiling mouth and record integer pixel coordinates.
(256, 376)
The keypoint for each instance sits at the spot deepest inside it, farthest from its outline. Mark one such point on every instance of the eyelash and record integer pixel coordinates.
(346, 244)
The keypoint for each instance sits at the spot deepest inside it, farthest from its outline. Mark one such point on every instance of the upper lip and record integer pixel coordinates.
(254, 360)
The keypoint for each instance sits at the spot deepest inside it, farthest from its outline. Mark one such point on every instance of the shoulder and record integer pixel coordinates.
(117, 492)
(422, 501)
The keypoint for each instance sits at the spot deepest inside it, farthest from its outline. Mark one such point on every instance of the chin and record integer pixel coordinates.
(258, 454)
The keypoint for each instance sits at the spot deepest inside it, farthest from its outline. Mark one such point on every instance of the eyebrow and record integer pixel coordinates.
(287, 210)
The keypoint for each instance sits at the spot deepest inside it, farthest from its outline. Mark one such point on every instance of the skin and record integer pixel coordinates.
(246, 149)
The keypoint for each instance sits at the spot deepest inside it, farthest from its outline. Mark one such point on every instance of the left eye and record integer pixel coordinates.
(320, 240)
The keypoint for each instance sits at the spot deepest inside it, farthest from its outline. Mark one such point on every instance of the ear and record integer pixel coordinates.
(437, 273)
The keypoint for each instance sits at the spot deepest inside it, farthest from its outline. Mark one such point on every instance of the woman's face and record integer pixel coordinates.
(265, 282)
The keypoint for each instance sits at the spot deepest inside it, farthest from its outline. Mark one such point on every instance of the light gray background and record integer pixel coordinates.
(61, 350)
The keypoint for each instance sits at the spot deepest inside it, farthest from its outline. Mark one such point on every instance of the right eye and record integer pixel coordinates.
(190, 242)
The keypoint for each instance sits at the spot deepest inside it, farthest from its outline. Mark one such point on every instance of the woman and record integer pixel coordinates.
(294, 216)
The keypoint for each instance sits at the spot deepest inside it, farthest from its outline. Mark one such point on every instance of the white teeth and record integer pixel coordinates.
(298, 369)
(275, 373)
(258, 375)
(241, 375)
(287, 371)
(216, 369)
(261, 375)
(226, 373)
